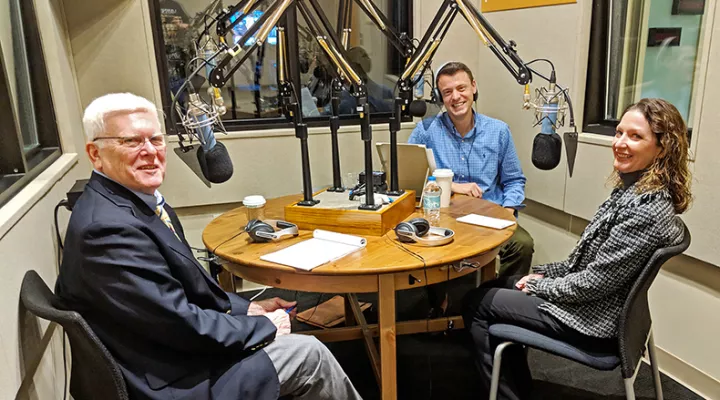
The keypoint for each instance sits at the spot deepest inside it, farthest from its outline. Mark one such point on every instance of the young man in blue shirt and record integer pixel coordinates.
(481, 153)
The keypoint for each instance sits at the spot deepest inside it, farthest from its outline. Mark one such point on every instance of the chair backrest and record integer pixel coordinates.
(634, 325)
(95, 374)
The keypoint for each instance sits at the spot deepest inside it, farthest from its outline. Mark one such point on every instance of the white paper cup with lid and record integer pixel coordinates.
(254, 207)
(444, 178)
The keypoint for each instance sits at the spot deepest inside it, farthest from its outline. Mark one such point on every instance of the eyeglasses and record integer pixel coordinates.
(137, 141)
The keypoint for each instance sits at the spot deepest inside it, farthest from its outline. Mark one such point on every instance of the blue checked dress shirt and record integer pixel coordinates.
(486, 156)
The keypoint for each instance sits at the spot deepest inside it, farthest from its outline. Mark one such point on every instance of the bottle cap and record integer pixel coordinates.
(254, 201)
(431, 178)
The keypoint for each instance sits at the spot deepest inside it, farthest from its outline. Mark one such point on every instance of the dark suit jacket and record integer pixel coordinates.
(173, 330)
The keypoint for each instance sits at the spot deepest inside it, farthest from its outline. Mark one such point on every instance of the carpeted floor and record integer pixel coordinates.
(438, 366)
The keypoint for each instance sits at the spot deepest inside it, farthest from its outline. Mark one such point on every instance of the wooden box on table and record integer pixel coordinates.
(337, 213)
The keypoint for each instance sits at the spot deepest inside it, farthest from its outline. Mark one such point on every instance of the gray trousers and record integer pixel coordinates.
(307, 370)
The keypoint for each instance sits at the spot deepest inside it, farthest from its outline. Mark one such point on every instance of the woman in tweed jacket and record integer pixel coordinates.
(579, 299)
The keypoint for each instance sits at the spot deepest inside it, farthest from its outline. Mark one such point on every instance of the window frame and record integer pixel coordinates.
(404, 8)
(19, 166)
(596, 95)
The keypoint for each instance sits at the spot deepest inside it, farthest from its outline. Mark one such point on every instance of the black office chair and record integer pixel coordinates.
(95, 374)
(634, 328)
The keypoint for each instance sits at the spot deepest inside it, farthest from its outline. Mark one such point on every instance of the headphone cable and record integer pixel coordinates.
(227, 240)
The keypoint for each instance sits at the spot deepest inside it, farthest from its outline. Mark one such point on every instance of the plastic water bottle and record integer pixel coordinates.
(431, 201)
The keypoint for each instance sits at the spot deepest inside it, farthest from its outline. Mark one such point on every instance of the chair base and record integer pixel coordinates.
(629, 382)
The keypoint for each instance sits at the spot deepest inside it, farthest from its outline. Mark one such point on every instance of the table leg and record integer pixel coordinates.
(226, 280)
(386, 325)
(488, 271)
(349, 315)
(367, 336)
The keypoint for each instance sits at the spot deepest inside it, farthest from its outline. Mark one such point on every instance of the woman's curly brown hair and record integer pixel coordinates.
(670, 168)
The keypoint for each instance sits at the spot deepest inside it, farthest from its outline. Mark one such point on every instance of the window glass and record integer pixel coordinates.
(369, 53)
(19, 78)
(28, 133)
(252, 91)
(653, 52)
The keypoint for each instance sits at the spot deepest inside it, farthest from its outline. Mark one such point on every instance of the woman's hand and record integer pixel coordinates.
(520, 285)
(469, 189)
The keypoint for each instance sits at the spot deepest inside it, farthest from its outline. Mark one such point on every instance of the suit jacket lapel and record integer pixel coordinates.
(123, 197)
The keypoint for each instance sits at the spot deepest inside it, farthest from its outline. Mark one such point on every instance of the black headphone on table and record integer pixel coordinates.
(419, 231)
(265, 231)
(436, 96)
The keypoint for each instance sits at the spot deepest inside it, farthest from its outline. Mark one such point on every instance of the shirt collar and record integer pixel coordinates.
(152, 200)
(453, 131)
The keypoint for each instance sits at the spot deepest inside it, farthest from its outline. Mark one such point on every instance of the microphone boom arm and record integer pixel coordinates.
(399, 40)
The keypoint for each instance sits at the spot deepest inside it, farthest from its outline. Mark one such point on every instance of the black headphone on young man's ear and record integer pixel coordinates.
(419, 231)
(264, 231)
(436, 96)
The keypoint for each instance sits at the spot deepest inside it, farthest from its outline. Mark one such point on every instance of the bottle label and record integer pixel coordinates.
(431, 202)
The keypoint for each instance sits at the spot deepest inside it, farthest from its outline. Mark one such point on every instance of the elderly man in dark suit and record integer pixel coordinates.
(129, 271)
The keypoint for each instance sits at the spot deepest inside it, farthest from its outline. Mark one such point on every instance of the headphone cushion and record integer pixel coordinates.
(437, 96)
(421, 225)
(405, 227)
(258, 226)
(252, 223)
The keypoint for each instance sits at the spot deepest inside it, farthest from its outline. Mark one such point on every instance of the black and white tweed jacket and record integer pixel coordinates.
(587, 291)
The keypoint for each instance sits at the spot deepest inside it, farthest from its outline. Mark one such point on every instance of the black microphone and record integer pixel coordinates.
(320, 72)
(546, 150)
(215, 162)
(418, 108)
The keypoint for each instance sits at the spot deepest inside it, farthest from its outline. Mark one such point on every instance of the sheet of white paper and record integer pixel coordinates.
(317, 251)
(488, 222)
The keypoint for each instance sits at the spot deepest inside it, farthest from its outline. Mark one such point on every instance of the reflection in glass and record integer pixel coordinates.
(251, 92)
(367, 54)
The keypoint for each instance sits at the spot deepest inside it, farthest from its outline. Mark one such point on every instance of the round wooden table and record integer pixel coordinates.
(384, 266)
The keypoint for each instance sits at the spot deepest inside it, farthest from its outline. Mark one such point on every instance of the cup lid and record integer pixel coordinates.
(253, 201)
(443, 173)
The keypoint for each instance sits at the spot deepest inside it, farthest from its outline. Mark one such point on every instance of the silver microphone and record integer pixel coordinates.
(550, 106)
(200, 122)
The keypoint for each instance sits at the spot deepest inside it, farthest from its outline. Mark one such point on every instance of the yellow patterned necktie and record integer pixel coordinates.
(165, 217)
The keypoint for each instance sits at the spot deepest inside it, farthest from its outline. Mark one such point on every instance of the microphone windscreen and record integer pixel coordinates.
(215, 164)
(418, 108)
(320, 72)
(304, 63)
(546, 151)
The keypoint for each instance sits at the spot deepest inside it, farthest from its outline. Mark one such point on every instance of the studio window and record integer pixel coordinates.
(638, 49)
(251, 93)
(29, 139)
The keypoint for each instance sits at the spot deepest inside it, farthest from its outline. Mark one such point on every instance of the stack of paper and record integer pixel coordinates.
(325, 246)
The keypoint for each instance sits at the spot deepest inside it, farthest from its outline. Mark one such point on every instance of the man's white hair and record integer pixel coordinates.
(113, 103)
